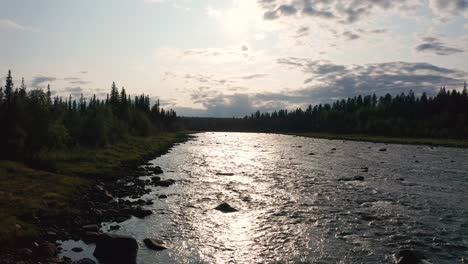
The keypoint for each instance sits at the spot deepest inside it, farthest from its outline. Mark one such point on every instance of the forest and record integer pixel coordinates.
(32, 120)
(444, 115)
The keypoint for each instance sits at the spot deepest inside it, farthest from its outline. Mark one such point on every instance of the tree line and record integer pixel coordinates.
(444, 115)
(32, 120)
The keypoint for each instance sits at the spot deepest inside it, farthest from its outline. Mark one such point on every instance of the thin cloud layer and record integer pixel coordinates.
(435, 46)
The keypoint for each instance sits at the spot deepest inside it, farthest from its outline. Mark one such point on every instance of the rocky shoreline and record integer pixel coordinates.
(104, 201)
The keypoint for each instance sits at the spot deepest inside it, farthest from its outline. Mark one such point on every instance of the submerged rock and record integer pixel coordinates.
(407, 256)
(116, 249)
(154, 244)
(226, 208)
(225, 174)
(355, 178)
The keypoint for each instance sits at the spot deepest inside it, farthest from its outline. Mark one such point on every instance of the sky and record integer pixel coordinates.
(228, 58)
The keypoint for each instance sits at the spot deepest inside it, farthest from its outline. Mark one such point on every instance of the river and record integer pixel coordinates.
(298, 202)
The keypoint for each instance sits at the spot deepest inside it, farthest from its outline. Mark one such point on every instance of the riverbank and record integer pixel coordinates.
(458, 143)
(45, 200)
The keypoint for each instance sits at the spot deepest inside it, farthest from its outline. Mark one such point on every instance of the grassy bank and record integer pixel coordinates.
(49, 186)
(459, 143)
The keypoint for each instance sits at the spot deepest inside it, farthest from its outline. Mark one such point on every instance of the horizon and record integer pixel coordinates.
(232, 58)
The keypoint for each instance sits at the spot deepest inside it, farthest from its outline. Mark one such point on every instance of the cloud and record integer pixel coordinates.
(76, 80)
(343, 11)
(326, 82)
(253, 76)
(349, 12)
(350, 35)
(434, 45)
(73, 90)
(7, 24)
(447, 9)
(38, 81)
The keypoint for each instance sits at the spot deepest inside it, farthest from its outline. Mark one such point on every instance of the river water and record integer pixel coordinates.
(293, 207)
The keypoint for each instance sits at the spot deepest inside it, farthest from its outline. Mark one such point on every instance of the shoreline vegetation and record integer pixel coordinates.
(37, 197)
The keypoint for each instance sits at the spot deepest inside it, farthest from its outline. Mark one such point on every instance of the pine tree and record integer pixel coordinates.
(49, 95)
(22, 90)
(465, 91)
(9, 89)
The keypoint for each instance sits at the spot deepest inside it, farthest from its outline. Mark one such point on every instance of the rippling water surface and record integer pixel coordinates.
(293, 208)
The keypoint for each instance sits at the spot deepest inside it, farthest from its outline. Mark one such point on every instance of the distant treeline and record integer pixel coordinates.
(406, 115)
(31, 120)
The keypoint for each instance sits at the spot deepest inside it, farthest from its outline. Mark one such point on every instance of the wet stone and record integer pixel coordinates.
(408, 256)
(225, 208)
(77, 249)
(154, 244)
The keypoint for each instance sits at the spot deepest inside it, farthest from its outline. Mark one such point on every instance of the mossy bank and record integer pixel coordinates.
(50, 186)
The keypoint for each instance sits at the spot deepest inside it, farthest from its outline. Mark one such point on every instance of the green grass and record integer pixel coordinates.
(25, 192)
(50, 190)
(461, 143)
(107, 162)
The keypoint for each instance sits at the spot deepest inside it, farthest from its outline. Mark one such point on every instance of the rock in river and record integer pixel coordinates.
(407, 256)
(154, 244)
(157, 170)
(164, 183)
(116, 249)
(140, 212)
(46, 250)
(84, 261)
(226, 208)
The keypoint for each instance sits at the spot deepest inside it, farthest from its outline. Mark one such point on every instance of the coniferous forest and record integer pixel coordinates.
(32, 120)
(444, 115)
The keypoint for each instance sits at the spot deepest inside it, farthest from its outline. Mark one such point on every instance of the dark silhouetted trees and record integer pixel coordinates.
(444, 115)
(32, 121)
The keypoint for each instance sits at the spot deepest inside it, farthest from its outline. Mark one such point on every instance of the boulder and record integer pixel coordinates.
(162, 196)
(155, 179)
(90, 228)
(225, 208)
(358, 178)
(25, 252)
(355, 178)
(383, 149)
(84, 261)
(140, 212)
(157, 170)
(225, 174)
(116, 249)
(114, 227)
(154, 244)
(46, 250)
(77, 249)
(408, 256)
(90, 237)
(164, 183)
